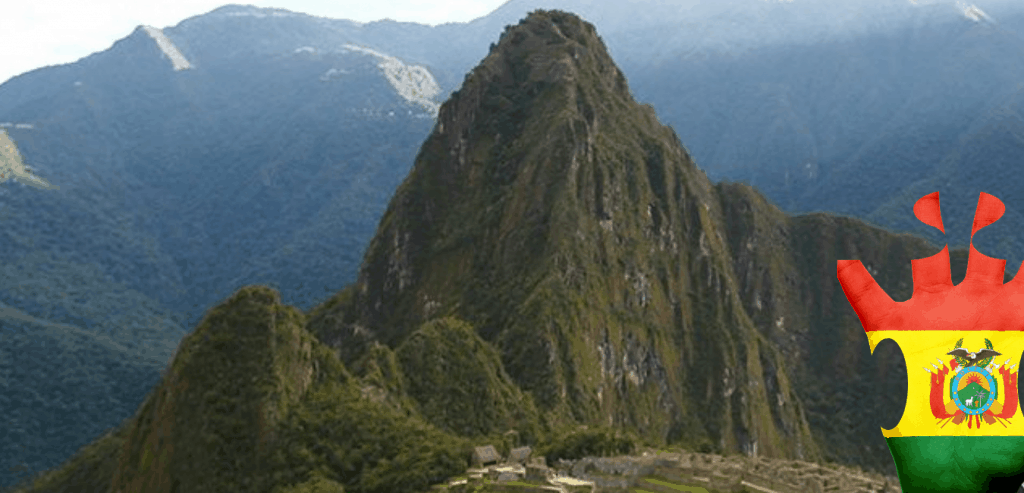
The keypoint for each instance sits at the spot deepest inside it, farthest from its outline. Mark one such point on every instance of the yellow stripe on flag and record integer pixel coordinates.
(928, 349)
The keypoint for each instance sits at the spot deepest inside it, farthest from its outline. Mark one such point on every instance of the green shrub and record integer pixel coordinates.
(369, 448)
(317, 483)
(597, 442)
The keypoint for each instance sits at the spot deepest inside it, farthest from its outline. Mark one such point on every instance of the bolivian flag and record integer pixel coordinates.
(962, 429)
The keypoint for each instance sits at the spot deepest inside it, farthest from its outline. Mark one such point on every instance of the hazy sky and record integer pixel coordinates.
(37, 33)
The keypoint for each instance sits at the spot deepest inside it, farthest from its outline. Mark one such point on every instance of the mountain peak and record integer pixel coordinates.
(570, 229)
(549, 76)
(235, 10)
(546, 48)
(545, 106)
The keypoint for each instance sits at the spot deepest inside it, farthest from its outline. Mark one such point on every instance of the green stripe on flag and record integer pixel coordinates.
(959, 464)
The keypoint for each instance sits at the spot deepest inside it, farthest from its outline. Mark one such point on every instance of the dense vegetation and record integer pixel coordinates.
(143, 235)
(555, 257)
(557, 216)
(589, 442)
(252, 401)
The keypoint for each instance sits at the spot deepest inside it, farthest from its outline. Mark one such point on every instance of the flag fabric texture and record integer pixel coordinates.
(962, 429)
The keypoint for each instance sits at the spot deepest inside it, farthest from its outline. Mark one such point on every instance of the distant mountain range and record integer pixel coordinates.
(303, 147)
(553, 259)
(253, 145)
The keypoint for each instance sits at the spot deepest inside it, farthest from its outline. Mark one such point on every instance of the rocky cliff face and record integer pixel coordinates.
(573, 231)
(785, 267)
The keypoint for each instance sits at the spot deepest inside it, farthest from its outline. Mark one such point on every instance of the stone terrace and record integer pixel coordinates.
(725, 474)
(717, 474)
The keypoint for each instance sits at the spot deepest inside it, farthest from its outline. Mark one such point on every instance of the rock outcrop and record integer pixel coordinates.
(573, 231)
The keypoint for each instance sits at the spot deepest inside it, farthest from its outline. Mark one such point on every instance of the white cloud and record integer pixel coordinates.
(51, 32)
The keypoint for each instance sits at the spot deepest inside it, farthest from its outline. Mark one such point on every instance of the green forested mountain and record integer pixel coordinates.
(555, 258)
(270, 159)
(175, 188)
(573, 231)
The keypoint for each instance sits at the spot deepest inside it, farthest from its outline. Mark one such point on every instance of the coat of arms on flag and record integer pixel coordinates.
(973, 381)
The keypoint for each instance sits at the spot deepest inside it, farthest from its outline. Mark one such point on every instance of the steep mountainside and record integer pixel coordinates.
(786, 279)
(571, 229)
(225, 190)
(554, 258)
(855, 108)
(272, 365)
(252, 145)
(252, 402)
